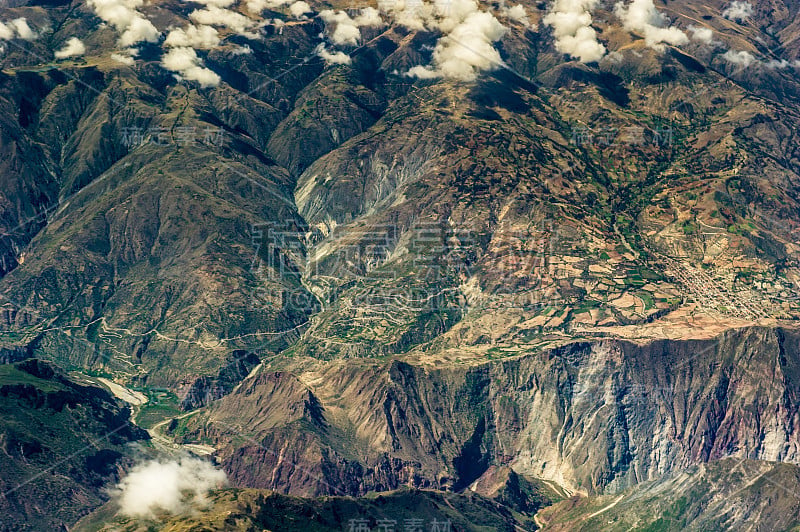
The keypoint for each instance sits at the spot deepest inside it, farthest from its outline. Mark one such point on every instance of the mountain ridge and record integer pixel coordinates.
(360, 260)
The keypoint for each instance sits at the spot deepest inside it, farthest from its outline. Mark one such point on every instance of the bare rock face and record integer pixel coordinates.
(630, 413)
(719, 495)
(524, 494)
(583, 276)
(592, 417)
(206, 389)
(128, 244)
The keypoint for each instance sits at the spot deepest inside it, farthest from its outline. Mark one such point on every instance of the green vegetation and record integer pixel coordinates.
(634, 279)
(11, 374)
(262, 510)
(160, 406)
(46, 421)
(742, 228)
(179, 429)
(647, 298)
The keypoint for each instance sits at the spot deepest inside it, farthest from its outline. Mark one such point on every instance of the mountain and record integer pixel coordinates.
(460, 252)
(591, 417)
(726, 495)
(251, 509)
(61, 442)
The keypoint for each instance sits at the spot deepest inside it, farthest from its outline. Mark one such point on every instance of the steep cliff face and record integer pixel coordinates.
(591, 416)
(208, 388)
(578, 273)
(730, 494)
(628, 413)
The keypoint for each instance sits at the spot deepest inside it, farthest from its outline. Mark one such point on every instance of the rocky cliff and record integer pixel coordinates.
(730, 494)
(365, 247)
(592, 417)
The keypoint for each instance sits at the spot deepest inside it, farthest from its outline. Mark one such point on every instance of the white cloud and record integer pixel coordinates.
(118, 13)
(22, 29)
(257, 6)
(447, 14)
(439, 15)
(614, 57)
(299, 9)
(242, 50)
(215, 16)
(517, 13)
(341, 28)
(782, 63)
(6, 32)
(641, 16)
(423, 72)
(703, 35)
(17, 28)
(71, 48)
(124, 59)
(466, 45)
(467, 50)
(369, 17)
(202, 37)
(124, 17)
(741, 57)
(166, 486)
(571, 22)
(180, 59)
(139, 30)
(405, 13)
(777, 63)
(184, 61)
(333, 58)
(738, 11)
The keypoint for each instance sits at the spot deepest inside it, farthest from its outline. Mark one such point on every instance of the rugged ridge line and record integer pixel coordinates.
(593, 416)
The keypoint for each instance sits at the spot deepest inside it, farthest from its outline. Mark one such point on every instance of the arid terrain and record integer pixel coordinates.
(500, 266)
